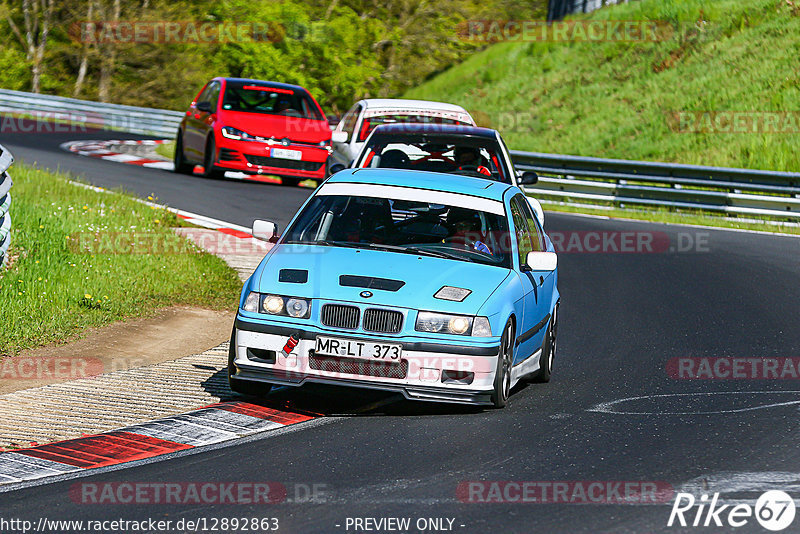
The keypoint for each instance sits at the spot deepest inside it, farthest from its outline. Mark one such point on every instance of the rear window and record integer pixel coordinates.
(253, 97)
(370, 123)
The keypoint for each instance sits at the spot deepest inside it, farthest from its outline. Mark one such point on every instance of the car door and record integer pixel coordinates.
(193, 139)
(547, 279)
(530, 333)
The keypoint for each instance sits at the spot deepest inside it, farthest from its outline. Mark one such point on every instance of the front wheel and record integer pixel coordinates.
(181, 166)
(243, 387)
(209, 171)
(505, 359)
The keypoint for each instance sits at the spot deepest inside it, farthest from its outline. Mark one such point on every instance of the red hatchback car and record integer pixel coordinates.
(255, 127)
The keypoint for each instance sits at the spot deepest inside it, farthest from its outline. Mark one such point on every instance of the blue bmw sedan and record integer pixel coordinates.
(441, 290)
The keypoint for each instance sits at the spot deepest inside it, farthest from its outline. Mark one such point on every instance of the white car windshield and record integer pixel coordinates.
(406, 226)
(480, 157)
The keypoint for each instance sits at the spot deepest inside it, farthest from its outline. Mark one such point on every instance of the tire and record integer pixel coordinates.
(243, 387)
(291, 182)
(502, 376)
(179, 160)
(209, 170)
(548, 351)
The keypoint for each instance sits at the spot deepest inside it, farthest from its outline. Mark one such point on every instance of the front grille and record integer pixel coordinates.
(386, 321)
(281, 163)
(339, 316)
(351, 366)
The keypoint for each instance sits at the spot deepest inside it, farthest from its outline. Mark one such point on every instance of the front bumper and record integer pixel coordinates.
(255, 158)
(427, 371)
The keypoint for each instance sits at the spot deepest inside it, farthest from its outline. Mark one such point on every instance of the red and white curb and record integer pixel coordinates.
(110, 151)
(103, 150)
(211, 425)
(247, 245)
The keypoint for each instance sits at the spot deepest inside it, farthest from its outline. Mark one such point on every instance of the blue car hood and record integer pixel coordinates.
(422, 276)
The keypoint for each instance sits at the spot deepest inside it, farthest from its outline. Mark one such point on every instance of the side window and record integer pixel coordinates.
(537, 236)
(349, 120)
(213, 96)
(524, 242)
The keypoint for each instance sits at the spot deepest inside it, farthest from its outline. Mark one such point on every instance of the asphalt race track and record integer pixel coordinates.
(624, 316)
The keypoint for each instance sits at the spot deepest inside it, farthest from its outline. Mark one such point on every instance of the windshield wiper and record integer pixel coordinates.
(421, 251)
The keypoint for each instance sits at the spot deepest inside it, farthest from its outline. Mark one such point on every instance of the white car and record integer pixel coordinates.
(352, 131)
(451, 149)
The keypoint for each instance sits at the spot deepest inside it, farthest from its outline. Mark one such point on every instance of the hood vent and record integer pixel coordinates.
(293, 276)
(369, 282)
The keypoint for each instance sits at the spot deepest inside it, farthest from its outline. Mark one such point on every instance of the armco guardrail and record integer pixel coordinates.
(643, 183)
(145, 121)
(6, 159)
(563, 178)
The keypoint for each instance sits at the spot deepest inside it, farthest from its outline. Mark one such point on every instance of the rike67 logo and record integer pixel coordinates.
(774, 510)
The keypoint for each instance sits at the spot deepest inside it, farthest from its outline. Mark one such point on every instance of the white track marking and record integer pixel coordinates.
(610, 407)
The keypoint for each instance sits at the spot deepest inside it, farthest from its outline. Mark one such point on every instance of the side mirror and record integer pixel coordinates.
(541, 261)
(265, 230)
(339, 136)
(204, 106)
(528, 178)
(336, 167)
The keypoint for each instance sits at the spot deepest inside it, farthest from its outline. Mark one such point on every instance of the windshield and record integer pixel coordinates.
(467, 155)
(252, 97)
(370, 123)
(405, 226)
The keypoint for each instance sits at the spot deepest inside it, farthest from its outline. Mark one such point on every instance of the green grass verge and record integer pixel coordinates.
(616, 99)
(166, 150)
(54, 288)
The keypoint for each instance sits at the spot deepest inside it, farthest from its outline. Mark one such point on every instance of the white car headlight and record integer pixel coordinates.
(444, 323)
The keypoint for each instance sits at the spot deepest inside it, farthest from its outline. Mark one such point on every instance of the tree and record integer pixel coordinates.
(37, 16)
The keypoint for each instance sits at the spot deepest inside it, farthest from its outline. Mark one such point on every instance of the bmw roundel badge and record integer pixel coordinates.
(366, 294)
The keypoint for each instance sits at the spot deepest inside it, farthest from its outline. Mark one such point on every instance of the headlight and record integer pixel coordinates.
(272, 304)
(446, 324)
(298, 308)
(234, 133)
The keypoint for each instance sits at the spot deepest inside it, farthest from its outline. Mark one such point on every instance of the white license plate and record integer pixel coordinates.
(285, 153)
(354, 348)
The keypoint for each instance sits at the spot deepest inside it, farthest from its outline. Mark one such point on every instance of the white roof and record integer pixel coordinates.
(380, 106)
(402, 103)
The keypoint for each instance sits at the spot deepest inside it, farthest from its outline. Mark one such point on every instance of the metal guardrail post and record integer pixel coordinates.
(6, 159)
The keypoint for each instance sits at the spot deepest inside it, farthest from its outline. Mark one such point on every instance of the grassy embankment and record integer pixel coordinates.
(72, 267)
(619, 100)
